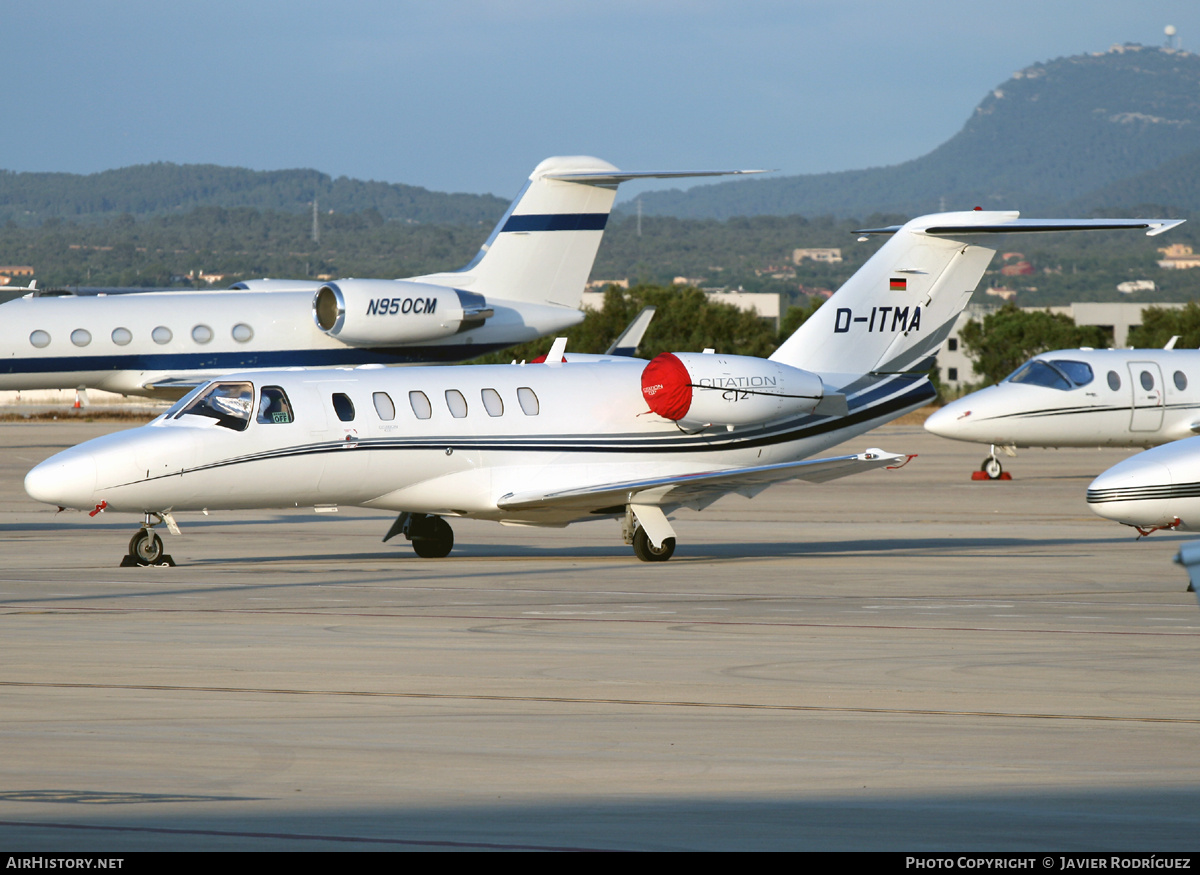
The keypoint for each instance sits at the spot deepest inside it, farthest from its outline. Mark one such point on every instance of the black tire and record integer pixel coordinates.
(647, 552)
(438, 544)
(146, 547)
(992, 467)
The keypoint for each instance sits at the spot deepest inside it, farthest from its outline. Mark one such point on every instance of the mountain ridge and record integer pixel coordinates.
(1056, 132)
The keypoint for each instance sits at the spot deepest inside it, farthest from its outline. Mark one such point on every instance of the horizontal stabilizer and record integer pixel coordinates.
(1019, 226)
(690, 488)
(618, 176)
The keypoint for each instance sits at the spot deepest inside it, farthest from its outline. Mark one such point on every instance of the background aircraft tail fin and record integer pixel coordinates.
(543, 248)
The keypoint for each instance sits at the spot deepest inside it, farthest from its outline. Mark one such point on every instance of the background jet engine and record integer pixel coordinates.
(384, 312)
(698, 389)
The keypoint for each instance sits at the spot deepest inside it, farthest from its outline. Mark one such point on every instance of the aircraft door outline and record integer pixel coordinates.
(1146, 393)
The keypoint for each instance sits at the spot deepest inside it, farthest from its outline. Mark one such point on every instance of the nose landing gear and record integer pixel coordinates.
(146, 547)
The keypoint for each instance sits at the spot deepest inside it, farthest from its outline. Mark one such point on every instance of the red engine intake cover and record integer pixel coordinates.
(667, 386)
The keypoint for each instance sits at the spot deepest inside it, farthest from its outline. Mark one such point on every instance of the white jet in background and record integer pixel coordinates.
(526, 282)
(1081, 398)
(548, 444)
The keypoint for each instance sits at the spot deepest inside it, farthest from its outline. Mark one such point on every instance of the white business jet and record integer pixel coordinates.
(563, 441)
(526, 282)
(1157, 489)
(1081, 398)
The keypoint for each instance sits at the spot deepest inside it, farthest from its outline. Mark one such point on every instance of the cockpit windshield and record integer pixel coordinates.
(1079, 373)
(1061, 374)
(228, 403)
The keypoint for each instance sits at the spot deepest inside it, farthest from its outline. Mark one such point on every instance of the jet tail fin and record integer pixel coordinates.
(629, 340)
(543, 248)
(895, 312)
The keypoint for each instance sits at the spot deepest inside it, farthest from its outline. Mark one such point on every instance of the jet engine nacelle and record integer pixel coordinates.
(699, 389)
(385, 312)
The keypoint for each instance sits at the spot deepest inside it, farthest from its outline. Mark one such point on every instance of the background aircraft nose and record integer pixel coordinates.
(1135, 492)
(67, 480)
(949, 421)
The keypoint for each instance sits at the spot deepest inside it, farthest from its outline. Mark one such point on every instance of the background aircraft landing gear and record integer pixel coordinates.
(991, 469)
(645, 550)
(431, 536)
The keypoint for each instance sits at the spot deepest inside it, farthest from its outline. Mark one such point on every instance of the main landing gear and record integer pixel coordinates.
(146, 547)
(644, 549)
(431, 536)
(643, 525)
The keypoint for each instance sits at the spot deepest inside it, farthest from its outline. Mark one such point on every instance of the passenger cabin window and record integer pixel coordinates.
(1039, 373)
(528, 401)
(384, 406)
(227, 403)
(1114, 381)
(421, 407)
(492, 402)
(40, 339)
(122, 336)
(81, 337)
(161, 335)
(457, 403)
(274, 407)
(1180, 380)
(1147, 380)
(343, 407)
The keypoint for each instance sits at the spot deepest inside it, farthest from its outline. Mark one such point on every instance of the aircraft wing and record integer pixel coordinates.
(698, 490)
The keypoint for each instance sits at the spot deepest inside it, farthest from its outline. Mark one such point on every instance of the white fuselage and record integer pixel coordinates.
(138, 343)
(1083, 398)
(1160, 487)
(435, 440)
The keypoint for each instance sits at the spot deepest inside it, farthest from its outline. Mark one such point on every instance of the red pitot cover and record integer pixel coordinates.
(667, 386)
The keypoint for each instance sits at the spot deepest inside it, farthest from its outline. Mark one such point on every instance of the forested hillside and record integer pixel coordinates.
(156, 189)
(751, 253)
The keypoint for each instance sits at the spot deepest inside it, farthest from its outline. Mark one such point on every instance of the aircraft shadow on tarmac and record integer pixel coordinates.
(1037, 820)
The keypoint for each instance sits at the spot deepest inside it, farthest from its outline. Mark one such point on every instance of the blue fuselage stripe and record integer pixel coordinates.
(557, 222)
(240, 360)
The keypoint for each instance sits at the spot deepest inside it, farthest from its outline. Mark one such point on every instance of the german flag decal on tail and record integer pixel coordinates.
(897, 284)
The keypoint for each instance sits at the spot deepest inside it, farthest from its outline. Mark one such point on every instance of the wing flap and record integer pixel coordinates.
(701, 488)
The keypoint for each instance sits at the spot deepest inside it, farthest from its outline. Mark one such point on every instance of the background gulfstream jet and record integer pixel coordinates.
(554, 443)
(525, 282)
(1081, 398)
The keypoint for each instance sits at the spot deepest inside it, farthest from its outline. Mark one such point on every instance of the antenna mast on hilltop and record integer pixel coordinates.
(1173, 41)
(316, 231)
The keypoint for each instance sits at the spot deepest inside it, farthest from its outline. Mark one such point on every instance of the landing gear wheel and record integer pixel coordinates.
(647, 552)
(145, 547)
(992, 467)
(438, 543)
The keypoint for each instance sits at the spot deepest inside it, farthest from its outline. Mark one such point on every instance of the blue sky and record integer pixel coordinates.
(468, 95)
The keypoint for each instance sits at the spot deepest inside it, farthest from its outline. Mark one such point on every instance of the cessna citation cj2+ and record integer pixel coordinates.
(1081, 398)
(558, 442)
(526, 282)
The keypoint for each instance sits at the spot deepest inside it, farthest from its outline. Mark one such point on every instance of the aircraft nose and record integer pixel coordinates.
(67, 480)
(1135, 492)
(951, 421)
